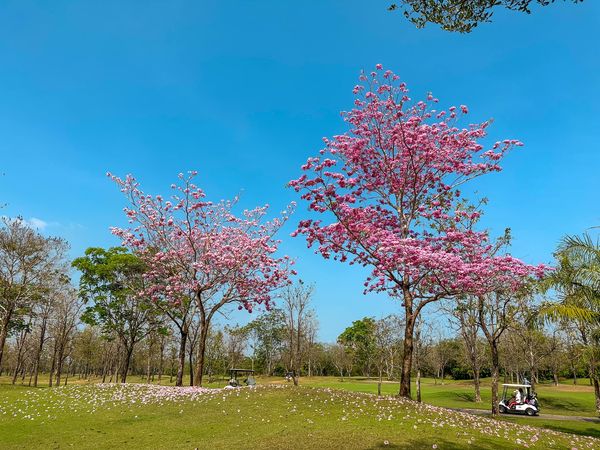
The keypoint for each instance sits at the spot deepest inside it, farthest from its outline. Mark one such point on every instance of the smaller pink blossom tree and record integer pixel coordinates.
(389, 193)
(201, 251)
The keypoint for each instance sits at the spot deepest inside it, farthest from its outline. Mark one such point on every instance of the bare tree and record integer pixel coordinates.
(497, 311)
(26, 258)
(63, 324)
(467, 315)
(296, 300)
(386, 337)
(423, 344)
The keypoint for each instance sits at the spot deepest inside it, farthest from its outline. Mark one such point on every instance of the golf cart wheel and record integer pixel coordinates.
(530, 412)
(502, 409)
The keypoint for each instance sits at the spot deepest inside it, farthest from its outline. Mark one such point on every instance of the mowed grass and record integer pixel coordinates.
(273, 417)
(564, 399)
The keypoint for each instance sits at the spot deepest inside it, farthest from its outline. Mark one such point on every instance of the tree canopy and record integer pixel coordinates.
(460, 15)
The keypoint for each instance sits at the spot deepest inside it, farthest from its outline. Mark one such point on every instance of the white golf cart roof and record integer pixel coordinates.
(517, 385)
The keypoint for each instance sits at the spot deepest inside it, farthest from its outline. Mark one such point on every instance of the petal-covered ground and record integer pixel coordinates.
(150, 416)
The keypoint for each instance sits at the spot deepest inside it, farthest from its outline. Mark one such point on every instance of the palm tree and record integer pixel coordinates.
(577, 282)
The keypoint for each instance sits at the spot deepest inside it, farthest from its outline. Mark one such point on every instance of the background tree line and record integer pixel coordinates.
(103, 329)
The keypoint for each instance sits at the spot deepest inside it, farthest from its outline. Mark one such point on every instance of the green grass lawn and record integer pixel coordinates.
(563, 399)
(274, 417)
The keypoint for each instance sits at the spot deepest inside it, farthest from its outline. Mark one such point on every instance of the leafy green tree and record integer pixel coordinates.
(268, 337)
(360, 340)
(110, 282)
(460, 15)
(577, 282)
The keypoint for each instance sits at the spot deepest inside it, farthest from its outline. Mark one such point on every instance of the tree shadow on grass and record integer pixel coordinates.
(424, 443)
(465, 396)
(558, 404)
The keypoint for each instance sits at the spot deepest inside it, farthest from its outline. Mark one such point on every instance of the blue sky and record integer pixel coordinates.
(243, 92)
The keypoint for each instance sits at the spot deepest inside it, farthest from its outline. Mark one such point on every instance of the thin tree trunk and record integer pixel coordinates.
(495, 375)
(4, 332)
(419, 385)
(477, 383)
(53, 364)
(408, 349)
(126, 361)
(181, 357)
(59, 362)
(204, 323)
(161, 360)
(191, 361)
(20, 356)
(597, 395)
(38, 355)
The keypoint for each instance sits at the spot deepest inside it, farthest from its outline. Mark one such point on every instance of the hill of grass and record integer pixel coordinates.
(274, 417)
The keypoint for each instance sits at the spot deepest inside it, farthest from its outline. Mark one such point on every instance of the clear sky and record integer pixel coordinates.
(244, 91)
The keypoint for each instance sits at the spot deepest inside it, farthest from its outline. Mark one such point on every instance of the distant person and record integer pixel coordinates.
(519, 396)
(513, 400)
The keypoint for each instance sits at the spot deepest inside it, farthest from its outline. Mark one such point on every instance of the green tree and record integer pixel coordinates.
(110, 283)
(460, 15)
(577, 282)
(360, 340)
(267, 335)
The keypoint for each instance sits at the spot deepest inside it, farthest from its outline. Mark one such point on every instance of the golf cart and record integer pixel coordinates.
(239, 373)
(528, 405)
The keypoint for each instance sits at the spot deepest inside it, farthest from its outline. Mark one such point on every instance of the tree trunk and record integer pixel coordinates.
(408, 350)
(59, 363)
(495, 375)
(4, 332)
(149, 364)
(419, 385)
(597, 395)
(126, 361)
(379, 383)
(161, 360)
(53, 364)
(191, 361)
(477, 383)
(20, 356)
(38, 355)
(204, 323)
(181, 357)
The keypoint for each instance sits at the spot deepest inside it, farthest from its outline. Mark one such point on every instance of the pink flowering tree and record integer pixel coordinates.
(386, 195)
(200, 251)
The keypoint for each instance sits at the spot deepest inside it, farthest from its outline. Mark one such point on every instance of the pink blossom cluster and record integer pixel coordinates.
(390, 191)
(196, 248)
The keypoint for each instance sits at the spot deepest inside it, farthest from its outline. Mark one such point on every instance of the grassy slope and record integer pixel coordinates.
(562, 399)
(268, 417)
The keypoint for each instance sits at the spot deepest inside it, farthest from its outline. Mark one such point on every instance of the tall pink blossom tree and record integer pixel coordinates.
(389, 193)
(199, 250)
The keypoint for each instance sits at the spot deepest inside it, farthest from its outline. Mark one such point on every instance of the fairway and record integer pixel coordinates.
(149, 416)
(564, 399)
